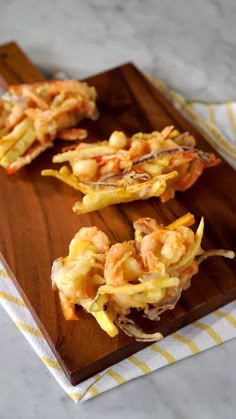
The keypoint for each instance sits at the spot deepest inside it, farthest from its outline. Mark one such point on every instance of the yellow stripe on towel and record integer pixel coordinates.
(211, 332)
(188, 108)
(32, 330)
(11, 299)
(165, 354)
(227, 316)
(93, 391)
(140, 364)
(75, 396)
(4, 274)
(50, 362)
(231, 117)
(210, 109)
(188, 342)
(116, 376)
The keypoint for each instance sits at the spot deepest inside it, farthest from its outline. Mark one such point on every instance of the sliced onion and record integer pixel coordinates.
(119, 181)
(216, 252)
(205, 157)
(154, 312)
(131, 329)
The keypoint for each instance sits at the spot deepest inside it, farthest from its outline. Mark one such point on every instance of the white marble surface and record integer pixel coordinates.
(190, 45)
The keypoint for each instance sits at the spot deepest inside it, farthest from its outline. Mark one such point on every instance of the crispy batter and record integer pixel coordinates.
(126, 169)
(148, 274)
(33, 115)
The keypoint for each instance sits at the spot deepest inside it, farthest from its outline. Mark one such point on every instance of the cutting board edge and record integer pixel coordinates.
(76, 377)
(34, 314)
(36, 318)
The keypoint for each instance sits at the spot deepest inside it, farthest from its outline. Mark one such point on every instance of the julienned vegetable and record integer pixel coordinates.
(33, 115)
(148, 273)
(127, 169)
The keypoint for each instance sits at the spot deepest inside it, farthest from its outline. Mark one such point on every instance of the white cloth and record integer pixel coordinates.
(216, 121)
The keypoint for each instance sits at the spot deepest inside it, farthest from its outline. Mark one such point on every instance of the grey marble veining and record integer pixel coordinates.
(191, 46)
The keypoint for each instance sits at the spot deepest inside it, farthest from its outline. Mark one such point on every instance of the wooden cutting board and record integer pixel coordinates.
(37, 222)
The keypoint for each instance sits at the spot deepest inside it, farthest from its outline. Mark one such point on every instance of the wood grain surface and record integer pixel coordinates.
(37, 222)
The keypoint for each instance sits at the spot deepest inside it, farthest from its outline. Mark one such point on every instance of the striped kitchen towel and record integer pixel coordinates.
(218, 124)
(216, 121)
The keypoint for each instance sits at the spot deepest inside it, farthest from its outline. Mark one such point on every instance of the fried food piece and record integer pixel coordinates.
(33, 115)
(147, 274)
(78, 276)
(126, 169)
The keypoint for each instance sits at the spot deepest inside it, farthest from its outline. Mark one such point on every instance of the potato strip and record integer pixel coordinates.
(32, 116)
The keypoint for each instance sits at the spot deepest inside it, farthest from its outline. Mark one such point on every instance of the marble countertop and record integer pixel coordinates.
(191, 46)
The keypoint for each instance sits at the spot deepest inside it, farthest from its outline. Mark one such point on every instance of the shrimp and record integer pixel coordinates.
(148, 275)
(163, 248)
(94, 236)
(36, 98)
(129, 283)
(52, 107)
(109, 166)
(123, 268)
(139, 161)
(123, 264)
(195, 170)
(167, 194)
(150, 249)
(68, 307)
(144, 226)
(73, 134)
(189, 169)
(78, 276)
